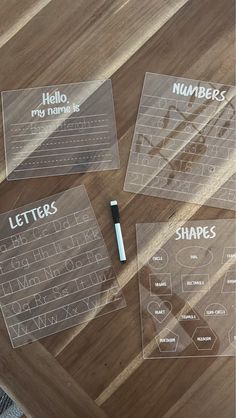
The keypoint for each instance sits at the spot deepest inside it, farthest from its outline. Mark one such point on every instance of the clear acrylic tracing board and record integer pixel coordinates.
(55, 271)
(184, 142)
(62, 129)
(187, 285)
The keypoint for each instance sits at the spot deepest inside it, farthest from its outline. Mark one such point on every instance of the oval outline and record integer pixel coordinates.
(194, 246)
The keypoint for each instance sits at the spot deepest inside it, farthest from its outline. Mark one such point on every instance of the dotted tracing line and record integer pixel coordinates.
(65, 142)
(62, 159)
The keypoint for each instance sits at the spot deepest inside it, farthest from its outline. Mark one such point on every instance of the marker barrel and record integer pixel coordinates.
(119, 237)
(120, 242)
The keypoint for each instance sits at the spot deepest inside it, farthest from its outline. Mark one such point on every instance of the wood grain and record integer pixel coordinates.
(32, 374)
(47, 42)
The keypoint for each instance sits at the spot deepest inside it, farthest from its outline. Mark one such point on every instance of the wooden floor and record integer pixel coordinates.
(97, 369)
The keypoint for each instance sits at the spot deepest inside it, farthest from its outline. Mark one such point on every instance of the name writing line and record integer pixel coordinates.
(48, 138)
(64, 119)
(58, 155)
(65, 130)
(60, 148)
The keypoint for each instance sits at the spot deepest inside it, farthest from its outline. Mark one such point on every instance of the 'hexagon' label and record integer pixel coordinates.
(204, 338)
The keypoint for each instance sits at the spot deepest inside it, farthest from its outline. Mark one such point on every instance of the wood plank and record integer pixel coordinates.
(49, 58)
(159, 384)
(121, 39)
(33, 378)
(14, 17)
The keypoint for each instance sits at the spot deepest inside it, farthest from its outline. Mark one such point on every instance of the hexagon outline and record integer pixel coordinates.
(231, 343)
(204, 349)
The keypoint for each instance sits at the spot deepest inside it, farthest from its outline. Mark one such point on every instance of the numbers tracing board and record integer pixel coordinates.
(183, 146)
(55, 271)
(187, 285)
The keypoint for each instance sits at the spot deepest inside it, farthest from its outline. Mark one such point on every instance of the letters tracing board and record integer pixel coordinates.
(188, 288)
(61, 129)
(183, 146)
(55, 271)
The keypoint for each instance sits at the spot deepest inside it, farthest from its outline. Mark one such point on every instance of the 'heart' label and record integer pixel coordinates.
(159, 311)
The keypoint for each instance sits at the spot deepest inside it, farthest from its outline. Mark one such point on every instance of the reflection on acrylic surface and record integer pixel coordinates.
(184, 142)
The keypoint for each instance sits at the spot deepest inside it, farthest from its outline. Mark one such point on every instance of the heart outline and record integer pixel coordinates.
(167, 305)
